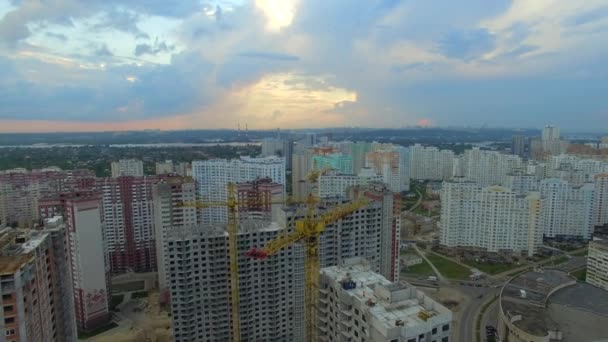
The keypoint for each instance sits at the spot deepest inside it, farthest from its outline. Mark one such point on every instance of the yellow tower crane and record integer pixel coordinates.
(232, 205)
(308, 231)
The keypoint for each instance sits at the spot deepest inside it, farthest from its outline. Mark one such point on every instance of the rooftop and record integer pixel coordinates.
(388, 302)
(17, 246)
(553, 300)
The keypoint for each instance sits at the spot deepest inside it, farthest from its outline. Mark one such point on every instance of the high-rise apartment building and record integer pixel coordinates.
(566, 211)
(168, 195)
(213, 176)
(430, 163)
(492, 219)
(259, 199)
(127, 167)
(271, 291)
(600, 201)
(20, 191)
(550, 133)
(358, 304)
(357, 150)
(128, 211)
(597, 264)
(518, 145)
(82, 215)
(334, 184)
(37, 294)
(521, 182)
(389, 165)
(342, 163)
(489, 167)
(301, 166)
(169, 167)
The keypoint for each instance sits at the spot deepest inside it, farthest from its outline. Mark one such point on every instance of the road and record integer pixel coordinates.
(417, 203)
(440, 276)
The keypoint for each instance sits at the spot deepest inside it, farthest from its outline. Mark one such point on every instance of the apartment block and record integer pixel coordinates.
(492, 219)
(335, 184)
(430, 163)
(340, 162)
(167, 196)
(600, 201)
(21, 189)
(597, 264)
(169, 167)
(367, 233)
(566, 211)
(301, 166)
(259, 199)
(358, 304)
(35, 280)
(489, 167)
(213, 176)
(389, 165)
(271, 292)
(128, 212)
(357, 150)
(127, 167)
(521, 182)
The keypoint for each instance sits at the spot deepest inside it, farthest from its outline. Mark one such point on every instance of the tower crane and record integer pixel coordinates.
(308, 231)
(232, 205)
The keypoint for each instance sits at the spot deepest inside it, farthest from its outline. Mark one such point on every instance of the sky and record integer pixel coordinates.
(96, 65)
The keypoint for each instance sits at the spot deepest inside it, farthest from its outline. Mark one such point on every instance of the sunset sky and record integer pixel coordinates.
(85, 65)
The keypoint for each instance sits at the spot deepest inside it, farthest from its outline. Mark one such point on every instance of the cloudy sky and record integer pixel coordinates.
(69, 65)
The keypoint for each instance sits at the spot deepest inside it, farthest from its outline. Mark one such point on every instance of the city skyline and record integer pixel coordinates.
(294, 64)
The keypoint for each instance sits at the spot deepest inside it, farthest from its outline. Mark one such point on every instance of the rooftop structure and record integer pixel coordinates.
(549, 305)
(358, 303)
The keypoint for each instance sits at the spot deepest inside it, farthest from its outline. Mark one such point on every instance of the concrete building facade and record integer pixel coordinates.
(390, 166)
(37, 297)
(271, 291)
(127, 167)
(492, 219)
(597, 264)
(213, 176)
(430, 163)
(334, 184)
(489, 167)
(566, 211)
(357, 304)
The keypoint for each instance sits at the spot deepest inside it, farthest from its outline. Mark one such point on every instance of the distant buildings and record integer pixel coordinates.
(260, 199)
(430, 163)
(549, 144)
(357, 304)
(566, 211)
(597, 264)
(600, 203)
(37, 294)
(391, 166)
(519, 146)
(271, 292)
(342, 163)
(489, 167)
(213, 176)
(169, 167)
(492, 219)
(334, 184)
(278, 147)
(127, 167)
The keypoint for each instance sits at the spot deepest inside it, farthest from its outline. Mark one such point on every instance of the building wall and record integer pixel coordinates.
(271, 291)
(127, 167)
(566, 210)
(430, 163)
(597, 264)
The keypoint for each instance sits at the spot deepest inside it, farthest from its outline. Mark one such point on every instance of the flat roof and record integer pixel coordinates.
(386, 313)
(553, 300)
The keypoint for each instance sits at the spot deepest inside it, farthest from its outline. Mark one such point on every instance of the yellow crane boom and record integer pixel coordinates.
(308, 232)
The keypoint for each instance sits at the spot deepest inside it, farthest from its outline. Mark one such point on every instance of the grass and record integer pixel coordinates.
(559, 260)
(580, 275)
(423, 269)
(580, 253)
(115, 301)
(491, 268)
(89, 334)
(448, 268)
(140, 294)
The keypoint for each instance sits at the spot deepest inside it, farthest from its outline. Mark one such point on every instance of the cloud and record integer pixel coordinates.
(57, 36)
(156, 48)
(466, 45)
(268, 55)
(103, 51)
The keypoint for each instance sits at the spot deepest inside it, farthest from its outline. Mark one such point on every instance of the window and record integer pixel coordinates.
(434, 331)
(445, 327)
(8, 308)
(9, 320)
(445, 339)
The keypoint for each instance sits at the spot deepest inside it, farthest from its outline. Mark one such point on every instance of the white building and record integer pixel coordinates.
(600, 201)
(430, 163)
(489, 167)
(127, 167)
(566, 210)
(213, 176)
(271, 291)
(167, 196)
(492, 219)
(392, 166)
(334, 184)
(597, 264)
(357, 304)
(521, 182)
(550, 133)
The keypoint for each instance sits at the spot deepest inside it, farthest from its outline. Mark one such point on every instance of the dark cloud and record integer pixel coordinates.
(122, 20)
(154, 49)
(103, 51)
